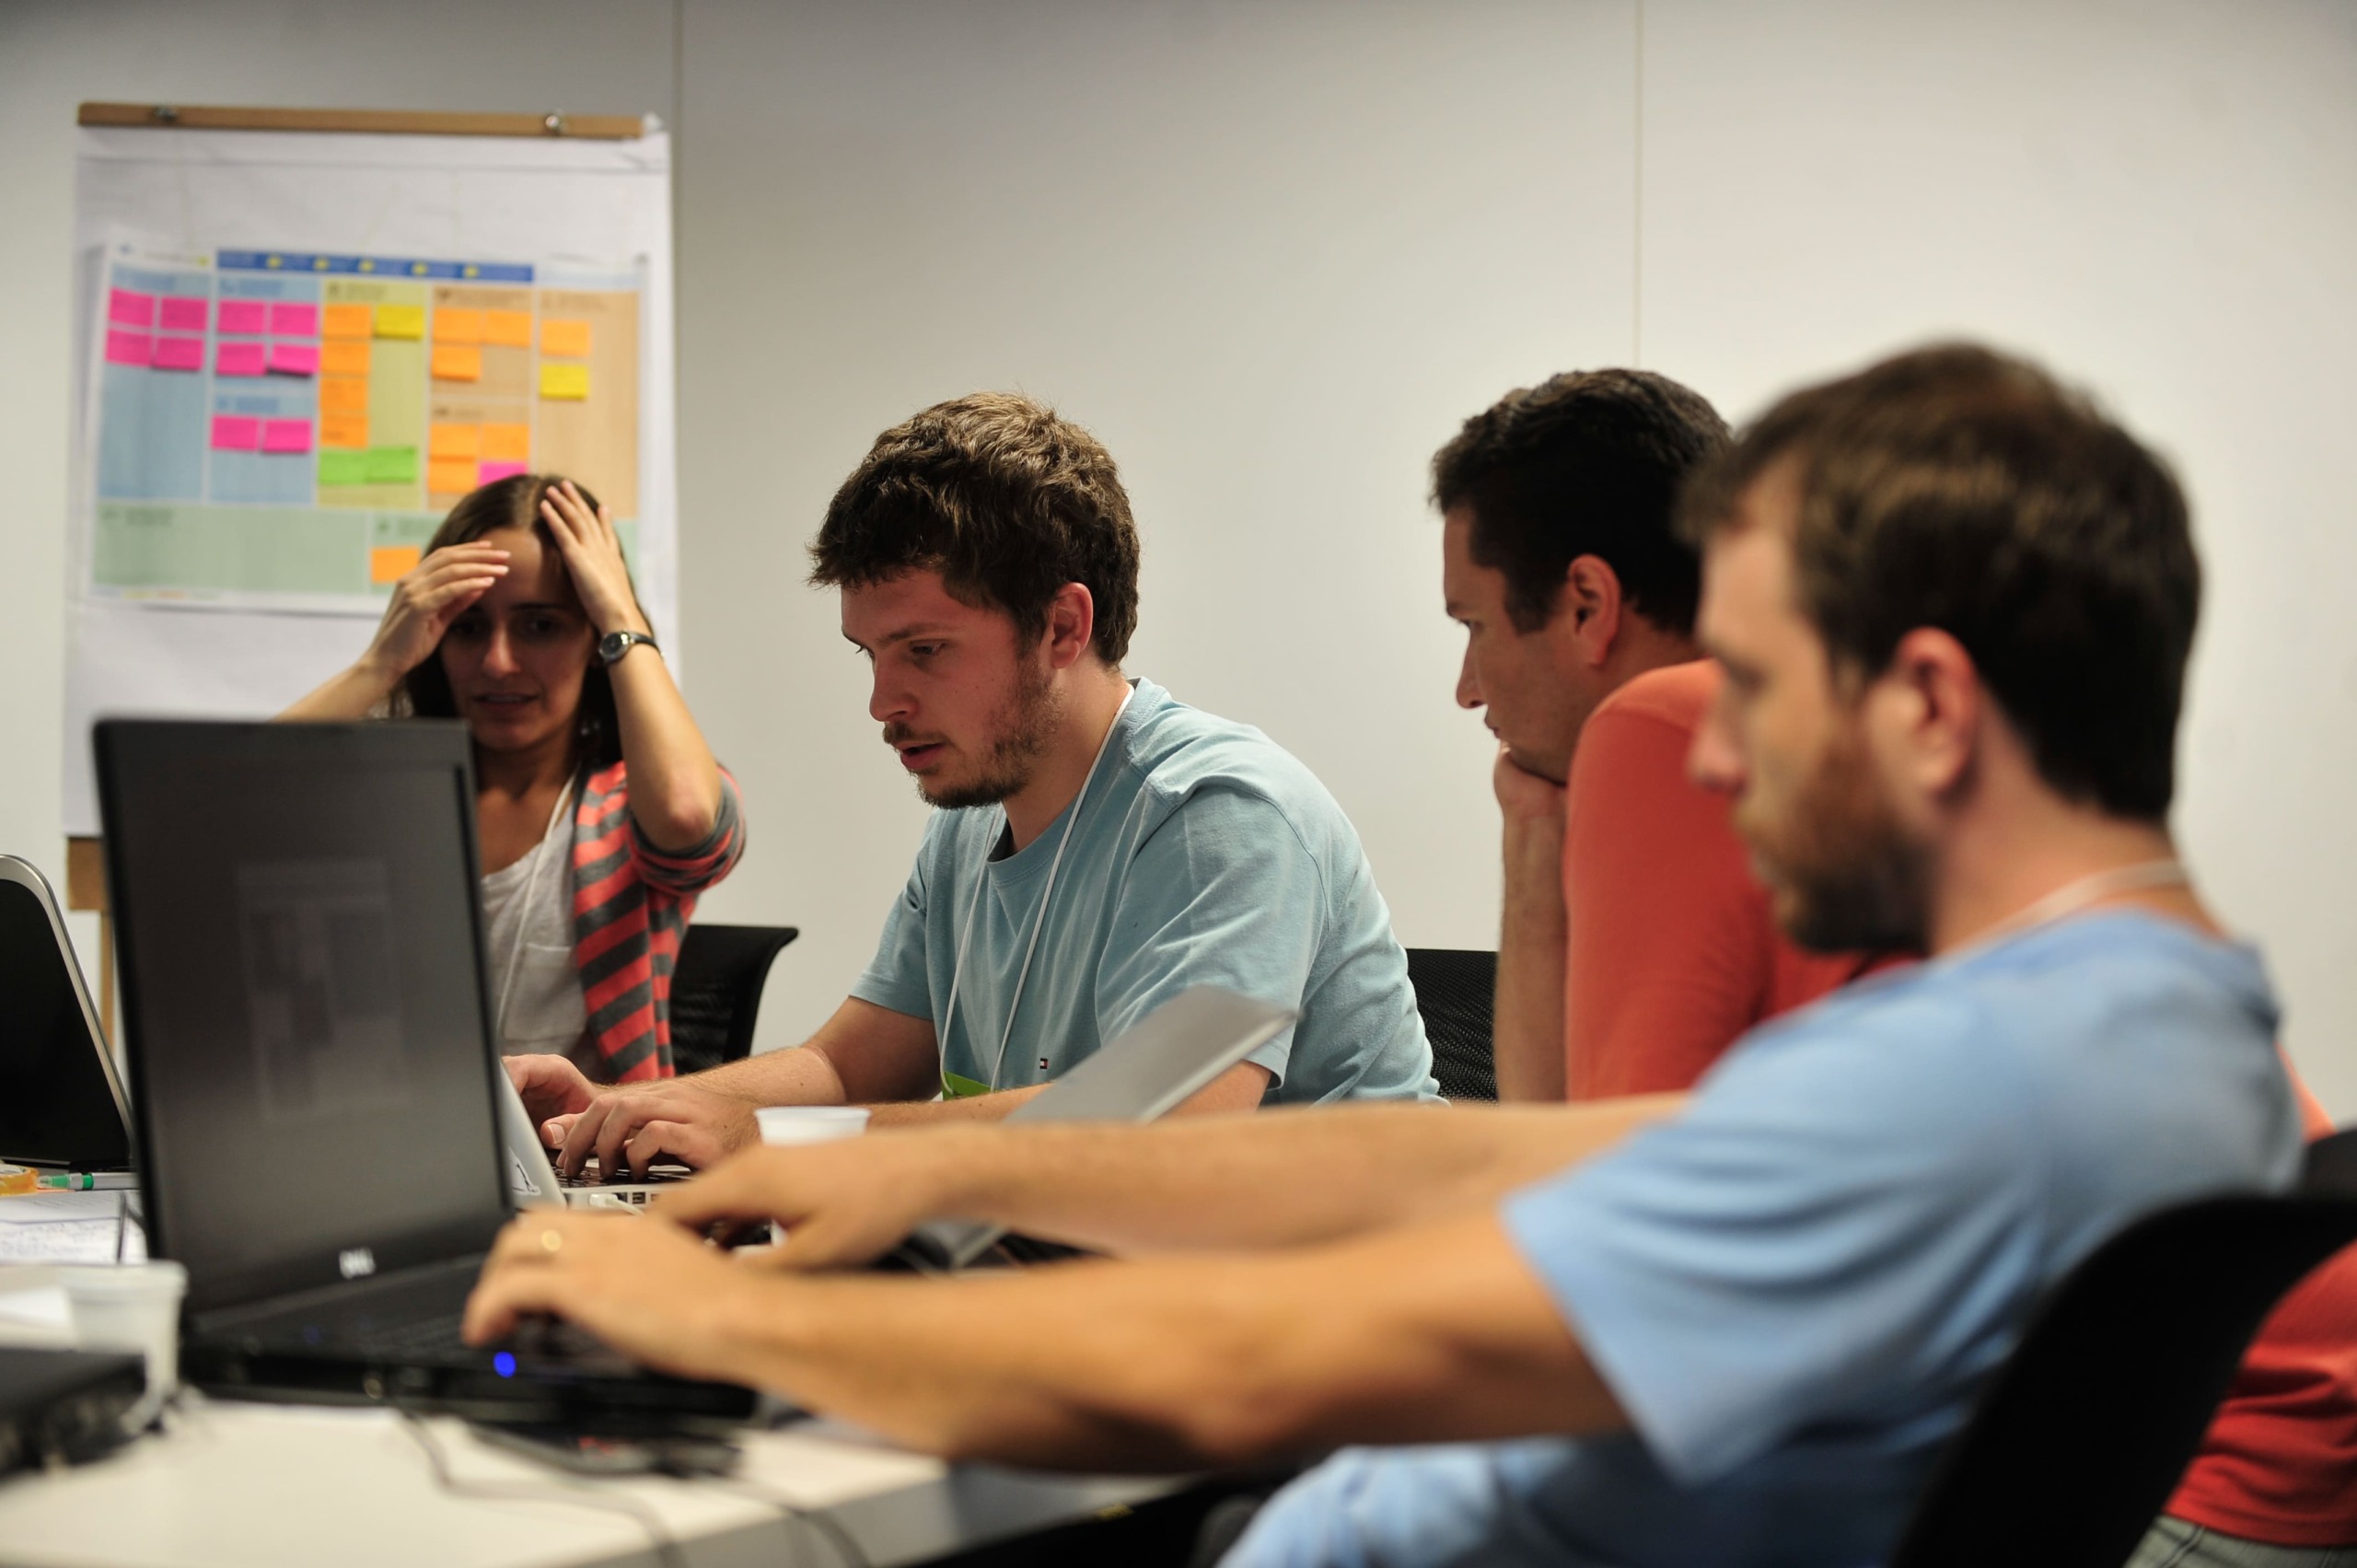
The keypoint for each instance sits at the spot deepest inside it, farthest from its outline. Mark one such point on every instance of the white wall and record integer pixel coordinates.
(1273, 252)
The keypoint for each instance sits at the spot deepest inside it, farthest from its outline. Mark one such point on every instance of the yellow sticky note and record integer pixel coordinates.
(392, 562)
(457, 362)
(454, 441)
(339, 394)
(344, 357)
(508, 328)
(449, 476)
(458, 326)
(568, 383)
(508, 443)
(347, 321)
(346, 431)
(570, 339)
(403, 321)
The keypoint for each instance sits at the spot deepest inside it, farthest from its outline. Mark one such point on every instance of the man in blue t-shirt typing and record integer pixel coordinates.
(1953, 604)
(1099, 846)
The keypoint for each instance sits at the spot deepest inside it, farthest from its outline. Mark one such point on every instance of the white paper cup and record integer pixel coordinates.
(810, 1124)
(131, 1307)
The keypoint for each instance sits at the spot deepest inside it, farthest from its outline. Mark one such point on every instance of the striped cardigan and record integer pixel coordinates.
(631, 905)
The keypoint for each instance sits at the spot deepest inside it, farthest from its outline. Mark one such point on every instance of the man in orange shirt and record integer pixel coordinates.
(1636, 943)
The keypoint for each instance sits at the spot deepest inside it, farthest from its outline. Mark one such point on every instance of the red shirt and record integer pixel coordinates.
(1673, 954)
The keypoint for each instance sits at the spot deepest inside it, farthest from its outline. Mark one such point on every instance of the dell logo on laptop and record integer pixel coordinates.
(355, 1261)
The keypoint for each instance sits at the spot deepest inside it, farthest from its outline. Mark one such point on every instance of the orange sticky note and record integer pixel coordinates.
(339, 394)
(345, 430)
(458, 326)
(508, 328)
(392, 562)
(449, 476)
(570, 339)
(568, 383)
(347, 322)
(457, 362)
(343, 356)
(454, 441)
(508, 443)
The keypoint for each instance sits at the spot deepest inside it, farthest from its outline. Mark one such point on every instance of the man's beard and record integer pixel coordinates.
(1842, 871)
(1023, 726)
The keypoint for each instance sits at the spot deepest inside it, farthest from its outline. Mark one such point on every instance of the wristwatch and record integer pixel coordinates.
(614, 645)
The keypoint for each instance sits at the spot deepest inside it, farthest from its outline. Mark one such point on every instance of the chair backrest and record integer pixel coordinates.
(1456, 992)
(2080, 1437)
(2332, 1164)
(716, 991)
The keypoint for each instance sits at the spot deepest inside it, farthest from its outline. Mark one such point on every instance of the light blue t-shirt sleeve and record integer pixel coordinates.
(1222, 893)
(1821, 1226)
(896, 977)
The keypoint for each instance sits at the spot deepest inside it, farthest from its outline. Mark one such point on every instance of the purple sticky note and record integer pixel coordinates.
(129, 308)
(286, 435)
(182, 314)
(294, 359)
(129, 348)
(294, 320)
(243, 315)
(235, 433)
(239, 359)
(490, 473)
(180, 353)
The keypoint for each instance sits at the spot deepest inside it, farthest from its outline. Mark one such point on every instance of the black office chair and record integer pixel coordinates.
(2080, 1437)
(1457, 992)
(716, 992)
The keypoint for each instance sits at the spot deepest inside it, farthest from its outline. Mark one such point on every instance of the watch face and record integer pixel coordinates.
(613, 646)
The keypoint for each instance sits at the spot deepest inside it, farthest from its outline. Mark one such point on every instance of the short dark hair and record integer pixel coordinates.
(1005, 500)
(1586, 463)
(1963, 489)
(514, 503)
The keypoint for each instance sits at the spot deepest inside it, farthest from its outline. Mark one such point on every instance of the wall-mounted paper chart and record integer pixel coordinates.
(285, 429)
(295, 348)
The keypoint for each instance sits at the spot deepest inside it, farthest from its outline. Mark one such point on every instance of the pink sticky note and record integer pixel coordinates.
(286, 435)
(235, 433)
(180, 353)
(129, 348)
(239, 359)
(243, 315)
(294, 359)
(490, 473)
(294, 320)
(182, 314)
(129, 308)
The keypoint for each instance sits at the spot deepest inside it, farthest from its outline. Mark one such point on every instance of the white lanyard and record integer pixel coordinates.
(2072, 897)
(523, 907)
(974, 904)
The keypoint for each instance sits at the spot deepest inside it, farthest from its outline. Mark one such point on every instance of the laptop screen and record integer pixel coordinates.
(296, 911)
(58, 1108)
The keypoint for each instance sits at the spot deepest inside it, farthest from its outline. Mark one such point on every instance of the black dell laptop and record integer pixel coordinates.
(312, 1065)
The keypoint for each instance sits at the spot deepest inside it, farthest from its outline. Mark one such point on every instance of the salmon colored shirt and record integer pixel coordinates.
(1673, 954)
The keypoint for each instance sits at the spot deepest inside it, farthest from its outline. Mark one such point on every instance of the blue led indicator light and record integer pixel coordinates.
(504, 1363)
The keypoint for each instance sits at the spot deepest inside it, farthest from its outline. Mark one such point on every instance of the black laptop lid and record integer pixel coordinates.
(296, 913)
(60, 1105)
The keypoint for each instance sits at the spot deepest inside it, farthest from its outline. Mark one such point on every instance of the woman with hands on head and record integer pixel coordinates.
(599, 809)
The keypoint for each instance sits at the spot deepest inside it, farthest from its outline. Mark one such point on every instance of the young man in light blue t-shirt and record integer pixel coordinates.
(1953, 604)
(1100, 847)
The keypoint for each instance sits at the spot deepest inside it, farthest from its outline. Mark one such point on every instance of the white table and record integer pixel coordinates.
(249, 1485)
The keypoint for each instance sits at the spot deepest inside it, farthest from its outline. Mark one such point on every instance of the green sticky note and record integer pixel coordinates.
(956, 1086)
(392, 465)
(344, 467)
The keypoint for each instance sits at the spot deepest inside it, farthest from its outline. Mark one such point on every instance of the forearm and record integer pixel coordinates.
(800, 1075)
(674, 782)
(1433, 1334)
(1281, 1179)
(353, 692)
(1527, 1026)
